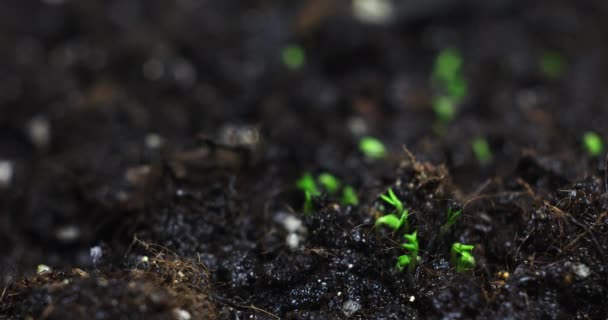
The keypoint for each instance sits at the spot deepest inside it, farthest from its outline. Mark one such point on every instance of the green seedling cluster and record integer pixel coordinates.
(462, 257)
(482, 151)
(328, 183)
(372, 148)
(552, 64)
(593, 144)
(411, 259)
(449, 81)
(293, 56)
(452, 216)
(396, 219)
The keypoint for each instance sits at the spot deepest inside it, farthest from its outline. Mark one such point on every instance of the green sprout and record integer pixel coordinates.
(329, 182)
(308, 206)
(552, 64)
(482, 151)
(411, 259)
(398, 218)
(449, 80)
(372, 147)
(462, 257)
(392, 199)
(349, 196)
(447, 65)
(444, 108)
(593, 143)
(307, 184)
(452, 216)
(293, 56)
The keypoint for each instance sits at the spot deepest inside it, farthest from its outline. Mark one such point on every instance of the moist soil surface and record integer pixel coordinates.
(150, 151)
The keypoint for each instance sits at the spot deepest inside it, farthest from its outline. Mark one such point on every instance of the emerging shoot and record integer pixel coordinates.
(293, 56)
(552, 64)
(444, 108)
(411, 259)
(452, 216)
(398, 218)
(462, 257)
(349, 196)
(482, 151)
(448, 79)
(372, 148)
(593, 144)
(329, 182)
(307, 184)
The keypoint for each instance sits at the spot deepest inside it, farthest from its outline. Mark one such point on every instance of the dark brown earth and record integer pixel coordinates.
(155, 146)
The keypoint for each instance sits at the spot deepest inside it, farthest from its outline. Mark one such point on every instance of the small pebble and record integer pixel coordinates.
(350, 307)
(6, 173)
(39, 132)
(42, 268)
(181, 314)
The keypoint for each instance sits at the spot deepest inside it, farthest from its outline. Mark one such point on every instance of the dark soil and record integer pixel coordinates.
(155, 146)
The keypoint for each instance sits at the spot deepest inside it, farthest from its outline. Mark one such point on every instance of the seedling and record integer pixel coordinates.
(462, 257)
(452, 216)
(398, 218)
(449, 80)
(482, 151)
(447, 73)
(447, 65)
(593, 143)
(552, 64)
(444, 108)
(329, 182)
(411, 259)
(372, 148)
(293, 56)
(349, 196)
(307, 184)
(307, 207)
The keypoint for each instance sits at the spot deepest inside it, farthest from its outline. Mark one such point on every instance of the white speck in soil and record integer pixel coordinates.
(181, 314)
(292, 241)
(95, 253)
(292, 223)
(373, 11)
(581, 270)
(154, 141)
(6, 173)
(39, 132)
(67, 233)
(153, 69)
(42, 268)
(350, 307)
(412, 298)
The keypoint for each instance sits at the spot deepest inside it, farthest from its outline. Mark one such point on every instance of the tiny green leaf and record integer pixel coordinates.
(390, 220)
(447, 65)
(552, 64)
(444, 108)
(402, 262)
(593, 143)
(482, 151)
(349, 196)
(307, 184)
(372, 148)
(462, 257)
(329, 182)
(293, 56)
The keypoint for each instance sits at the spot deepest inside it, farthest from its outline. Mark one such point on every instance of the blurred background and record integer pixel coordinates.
(92, 90)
